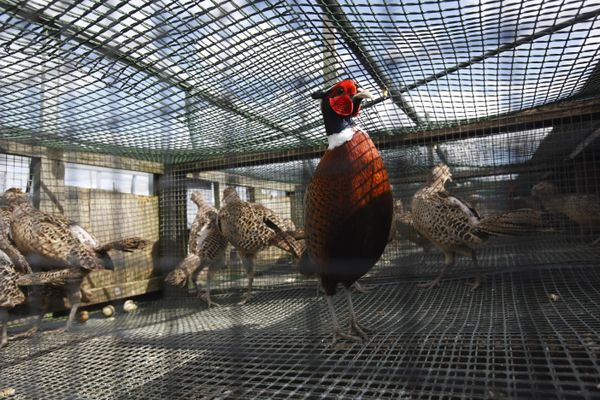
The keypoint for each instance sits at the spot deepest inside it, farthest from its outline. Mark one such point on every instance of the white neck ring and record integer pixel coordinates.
(338, 139)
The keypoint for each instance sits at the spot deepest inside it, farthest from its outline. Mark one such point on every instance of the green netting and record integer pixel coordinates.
(191, 80)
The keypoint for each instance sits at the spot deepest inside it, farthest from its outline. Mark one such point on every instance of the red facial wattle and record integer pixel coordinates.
(340, 99)
(342, 105)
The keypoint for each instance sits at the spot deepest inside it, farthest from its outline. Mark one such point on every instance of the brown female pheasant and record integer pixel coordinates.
(349, 205)
(55, 242)
(404, 227)
(11, 295)
(454, 226)
(250, 228)
(583, 209)
(7, 245)
(206, 249)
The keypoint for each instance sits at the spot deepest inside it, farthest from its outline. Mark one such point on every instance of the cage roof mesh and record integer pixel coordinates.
(184, 80)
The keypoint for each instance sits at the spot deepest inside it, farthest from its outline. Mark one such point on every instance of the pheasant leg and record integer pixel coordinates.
(3, 322)
(43, 308)
(29, 332)
(75, 301)
(194, 278)
(478, 277)
(206, 295)
(436, 282)
(74, 297)
(359, 288)
(476, 283)
(354, 325)
(249, 265)
(203, 295)
(337, 329)
(431, 284)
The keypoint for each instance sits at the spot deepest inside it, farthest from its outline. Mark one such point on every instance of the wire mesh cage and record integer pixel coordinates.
(131, 119)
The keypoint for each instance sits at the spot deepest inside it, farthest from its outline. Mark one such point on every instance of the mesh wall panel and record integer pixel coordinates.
(114, 114)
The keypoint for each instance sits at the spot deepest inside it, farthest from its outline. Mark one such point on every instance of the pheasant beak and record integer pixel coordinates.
(362, 94)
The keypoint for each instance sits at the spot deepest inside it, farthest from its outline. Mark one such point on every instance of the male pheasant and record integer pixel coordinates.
(250, 228)
(454, 226)
(206, 249)
(348, 203)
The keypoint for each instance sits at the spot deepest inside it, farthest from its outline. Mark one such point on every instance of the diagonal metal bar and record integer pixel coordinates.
(353, 41)
(589, 139)
(114, 53)
(557, 114)
(505, 47)
(368, 62)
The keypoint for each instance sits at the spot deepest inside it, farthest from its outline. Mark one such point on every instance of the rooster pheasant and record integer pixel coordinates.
(206, 248)
(54, 242)
(250, 228)
(455, 227)
(348, 204)
(583, 209)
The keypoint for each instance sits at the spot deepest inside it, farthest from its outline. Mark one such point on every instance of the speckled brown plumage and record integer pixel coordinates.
(51, 241)
(10, 292)
(7, 245)
(206, 249)
(403, 227)
(46, 236)
(250, 228)
(583, 209)
(455, 227)
(101, 250)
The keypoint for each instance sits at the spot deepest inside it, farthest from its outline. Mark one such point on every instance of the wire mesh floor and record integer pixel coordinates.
(531, 333)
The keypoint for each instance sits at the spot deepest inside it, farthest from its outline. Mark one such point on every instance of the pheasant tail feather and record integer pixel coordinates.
(128, 244)
(512, 223)
(51, 277)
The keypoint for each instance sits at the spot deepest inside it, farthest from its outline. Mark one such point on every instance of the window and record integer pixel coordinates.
(272, 193)
(116, 180)
(14, 172)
